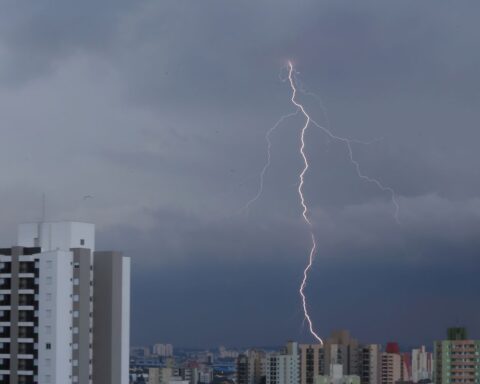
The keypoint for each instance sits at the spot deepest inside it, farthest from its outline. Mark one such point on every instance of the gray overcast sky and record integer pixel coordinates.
(159, 111)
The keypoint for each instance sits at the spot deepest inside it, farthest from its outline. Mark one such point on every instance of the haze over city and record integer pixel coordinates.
(149, 120)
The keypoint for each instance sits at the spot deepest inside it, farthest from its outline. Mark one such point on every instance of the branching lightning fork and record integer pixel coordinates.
(305, 212)
(269, 156)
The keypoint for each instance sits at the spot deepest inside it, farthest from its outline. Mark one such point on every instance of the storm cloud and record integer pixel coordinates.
(159, 110)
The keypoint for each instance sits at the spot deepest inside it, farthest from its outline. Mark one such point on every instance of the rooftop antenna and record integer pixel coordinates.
(43, 208)
(38, 239)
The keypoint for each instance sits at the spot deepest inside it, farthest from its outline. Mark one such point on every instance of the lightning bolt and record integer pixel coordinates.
(348, 143)
(305, 212)
(269, 156)
(304, 205)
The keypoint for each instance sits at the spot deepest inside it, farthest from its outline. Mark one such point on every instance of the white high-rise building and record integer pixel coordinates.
(422, 365)
(163, 350)
(48, 295)
(284, 368)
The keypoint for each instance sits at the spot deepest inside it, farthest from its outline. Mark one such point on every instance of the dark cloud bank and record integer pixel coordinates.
(159, 111)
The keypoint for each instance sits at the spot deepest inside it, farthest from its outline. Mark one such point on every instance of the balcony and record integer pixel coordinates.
(4, 316)
(25, 333)
(26, 283)
(6, 268)
(25, 365)
(5, 365)
(26, 316)
(27, 267)
(5, 300)
(26, 378)
(5, 350)
(26, 300)
(5, 284)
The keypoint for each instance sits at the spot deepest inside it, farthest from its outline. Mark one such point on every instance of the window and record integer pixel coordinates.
(82, 241)
(48, 346)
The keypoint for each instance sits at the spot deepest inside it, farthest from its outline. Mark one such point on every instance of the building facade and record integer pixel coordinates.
(457, 359)
(370, 363)
(163, 350)
(341, 348)
(47, 306)
(284, 367)
(251, 367)
(422, 365)
(336, 376)
(111, 312)
(391, 364)
(311, 362)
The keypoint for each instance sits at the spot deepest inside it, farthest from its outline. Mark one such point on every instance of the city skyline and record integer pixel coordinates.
(149, 120)
(340, 360)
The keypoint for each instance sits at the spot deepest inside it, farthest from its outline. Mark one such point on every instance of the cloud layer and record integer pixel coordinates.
(159, 111)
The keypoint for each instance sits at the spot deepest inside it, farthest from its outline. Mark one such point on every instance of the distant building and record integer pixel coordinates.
(159, 375)
(457, 358)
(178, 380)
(284, 367)
(225, 353)
(311, 362)
(341, 348)
(370, 364)
(251, 367)
(139, 352)
(163, 350)
(422, 365)
(336, 376)
(205, 375)
(391, 364)
(243, 369)
(187, 373)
